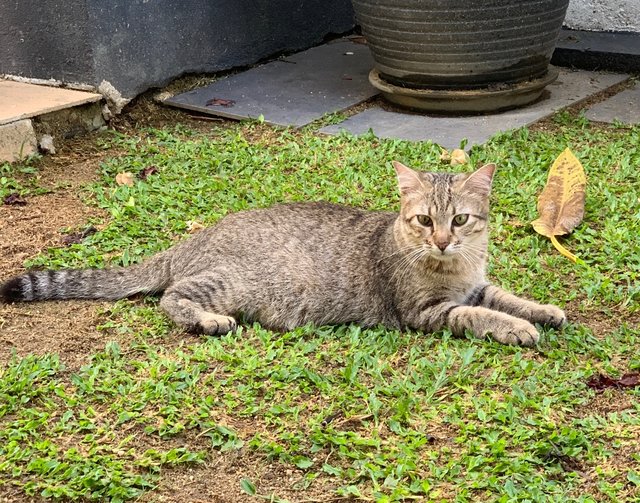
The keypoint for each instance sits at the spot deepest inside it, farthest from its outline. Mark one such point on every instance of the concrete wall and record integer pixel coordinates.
(45, 39)
(139, 44)
(604, 15)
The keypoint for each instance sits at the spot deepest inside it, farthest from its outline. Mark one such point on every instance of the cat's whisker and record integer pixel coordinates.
(422, 253)
(404, 257)
(404, 265)
(399, 251)
(475, 246)
(467, 259)
(480, 250)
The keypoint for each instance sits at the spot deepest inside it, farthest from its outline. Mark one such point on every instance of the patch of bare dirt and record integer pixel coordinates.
(65, 328)
(30, 229)
(218, 481)
(25, 231)
(601, 323)
(147, 111)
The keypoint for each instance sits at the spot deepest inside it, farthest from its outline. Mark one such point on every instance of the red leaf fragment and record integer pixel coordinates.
(149, 170)
(15, 200)
(600, 382)
(78, 237)
(220, 102)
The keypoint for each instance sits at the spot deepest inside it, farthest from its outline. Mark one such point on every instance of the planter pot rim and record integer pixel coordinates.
(491, 98)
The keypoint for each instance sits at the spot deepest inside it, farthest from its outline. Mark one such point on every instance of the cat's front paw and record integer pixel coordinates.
(550, 315)
(515, 331)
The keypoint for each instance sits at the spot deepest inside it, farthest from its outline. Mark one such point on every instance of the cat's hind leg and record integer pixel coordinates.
(195, 304)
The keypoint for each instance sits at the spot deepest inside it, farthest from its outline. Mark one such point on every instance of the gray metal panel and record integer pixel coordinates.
(571, 87)
(292, 91)
(623, 107)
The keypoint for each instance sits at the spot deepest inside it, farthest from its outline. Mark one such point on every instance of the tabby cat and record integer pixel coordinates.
(321, 263)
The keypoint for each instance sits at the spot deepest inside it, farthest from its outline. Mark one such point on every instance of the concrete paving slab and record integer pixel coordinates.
(571, 87)
(19, 100)
(292, 91)
(623, 107)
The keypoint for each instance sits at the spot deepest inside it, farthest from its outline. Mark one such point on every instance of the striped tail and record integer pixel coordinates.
(114, 283)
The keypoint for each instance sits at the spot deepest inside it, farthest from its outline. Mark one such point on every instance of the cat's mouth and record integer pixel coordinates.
(447, 254)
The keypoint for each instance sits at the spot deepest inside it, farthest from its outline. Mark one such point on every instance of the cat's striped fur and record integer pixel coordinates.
(321, 263)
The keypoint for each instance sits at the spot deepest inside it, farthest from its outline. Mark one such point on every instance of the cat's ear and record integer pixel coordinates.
(480, 180)
(408, 180)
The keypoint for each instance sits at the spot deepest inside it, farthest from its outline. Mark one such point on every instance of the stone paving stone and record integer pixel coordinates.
(598, 50)
(19, 100)
(292, 91)
(17, 140)
(571, 87)
(623, 107)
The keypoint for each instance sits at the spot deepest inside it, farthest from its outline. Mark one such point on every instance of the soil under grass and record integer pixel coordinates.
(110, 401)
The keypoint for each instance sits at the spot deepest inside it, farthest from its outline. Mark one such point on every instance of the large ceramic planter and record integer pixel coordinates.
(461, 55)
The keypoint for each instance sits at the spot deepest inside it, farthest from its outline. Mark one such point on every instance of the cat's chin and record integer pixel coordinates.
(446, 256)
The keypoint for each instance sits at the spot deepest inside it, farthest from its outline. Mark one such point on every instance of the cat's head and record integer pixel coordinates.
(445, 214)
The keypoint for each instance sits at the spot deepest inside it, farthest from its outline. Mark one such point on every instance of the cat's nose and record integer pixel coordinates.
(441, 244)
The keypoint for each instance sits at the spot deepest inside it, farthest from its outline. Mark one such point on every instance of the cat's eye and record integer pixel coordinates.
(460, 219)
(424, 220)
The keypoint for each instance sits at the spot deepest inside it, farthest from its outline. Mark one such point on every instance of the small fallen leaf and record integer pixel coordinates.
(14, 200)
(445, 156)
(149, 170)
(600, 381)
(194, 226)
(125, 178)
(213, 102)
(458, 156)
(630, 380)
(78, 237)
(561, 203)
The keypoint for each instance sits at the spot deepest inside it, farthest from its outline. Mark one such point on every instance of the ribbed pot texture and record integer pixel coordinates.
(460, 44)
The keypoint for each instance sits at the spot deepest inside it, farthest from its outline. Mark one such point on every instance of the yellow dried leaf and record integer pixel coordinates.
(194, 226)
(445, 156)
(458, 156)
(561, 203)
(125, 178)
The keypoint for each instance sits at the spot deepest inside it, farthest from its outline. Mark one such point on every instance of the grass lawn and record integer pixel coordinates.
(339, 413)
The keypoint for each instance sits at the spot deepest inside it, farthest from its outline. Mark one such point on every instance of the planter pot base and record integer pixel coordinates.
(490, 99)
